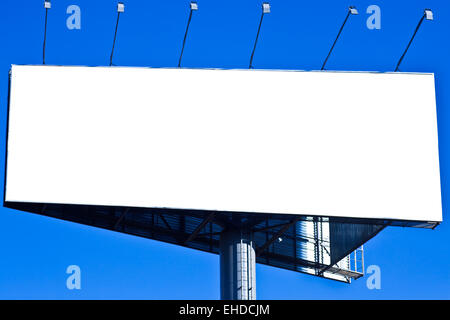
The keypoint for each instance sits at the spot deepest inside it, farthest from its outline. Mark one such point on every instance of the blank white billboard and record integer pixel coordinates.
(361, 145)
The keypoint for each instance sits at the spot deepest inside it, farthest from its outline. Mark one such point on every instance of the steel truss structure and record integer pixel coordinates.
(281, 241)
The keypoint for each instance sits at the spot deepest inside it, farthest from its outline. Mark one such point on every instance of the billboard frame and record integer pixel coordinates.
(117, 218)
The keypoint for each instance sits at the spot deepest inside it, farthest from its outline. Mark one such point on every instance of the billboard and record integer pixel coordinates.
(328, 144)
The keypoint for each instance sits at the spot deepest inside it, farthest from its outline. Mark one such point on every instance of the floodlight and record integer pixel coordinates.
(266, 7)
(428, 14)
(120, 7)
(353, 10)
(47, 5)
(194, 7)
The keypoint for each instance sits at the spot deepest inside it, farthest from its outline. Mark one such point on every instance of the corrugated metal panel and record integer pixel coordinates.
(347, 237)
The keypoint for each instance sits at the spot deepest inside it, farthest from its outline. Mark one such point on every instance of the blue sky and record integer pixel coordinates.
(35, 251)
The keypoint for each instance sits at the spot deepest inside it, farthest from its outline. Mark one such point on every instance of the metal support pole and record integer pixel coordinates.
(334, 43)
(194, 7)
(250, 66)
(237, 265)
(351, 11)
(114, 41)
(427, 15)
(184, 39)
(409, 43)
(265, 10)
(45, 34)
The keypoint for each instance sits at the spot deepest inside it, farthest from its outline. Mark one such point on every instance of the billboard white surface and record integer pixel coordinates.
(361, 145)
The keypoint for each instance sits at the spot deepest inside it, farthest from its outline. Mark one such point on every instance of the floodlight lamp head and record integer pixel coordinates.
(47, 4)
(120, 7)
(353, 10)
(428, 14)
(194, 5)
(266, 7)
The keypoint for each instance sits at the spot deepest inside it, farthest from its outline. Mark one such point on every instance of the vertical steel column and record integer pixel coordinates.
(237, 265)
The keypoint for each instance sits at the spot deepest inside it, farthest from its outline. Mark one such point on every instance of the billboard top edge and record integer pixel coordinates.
(226, 69)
